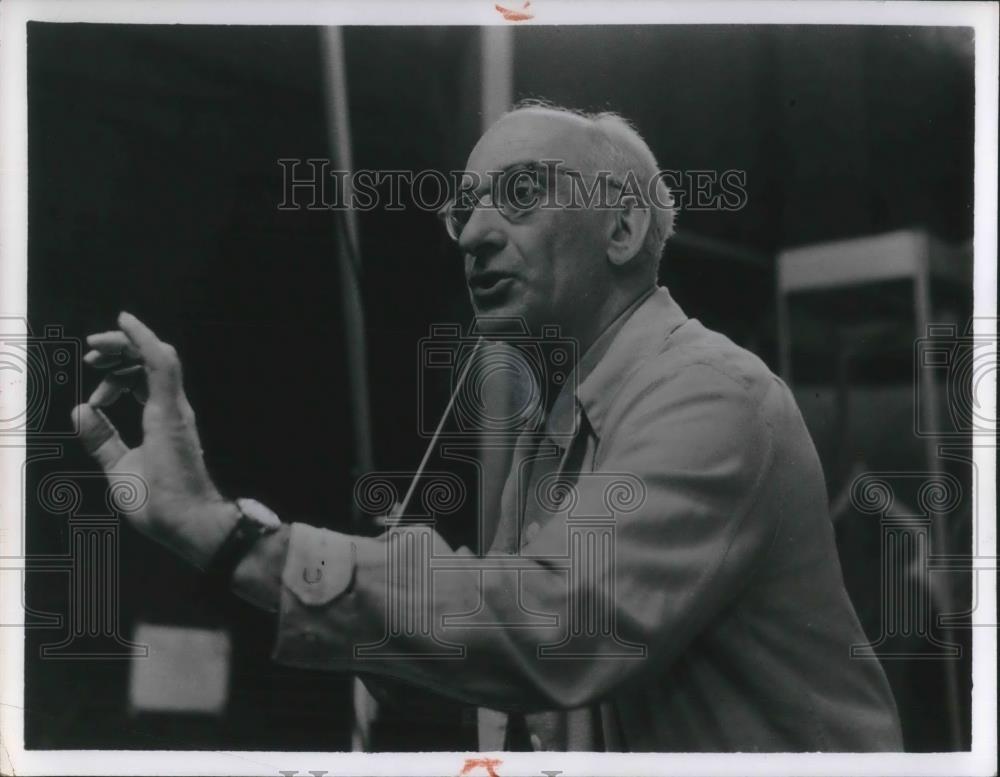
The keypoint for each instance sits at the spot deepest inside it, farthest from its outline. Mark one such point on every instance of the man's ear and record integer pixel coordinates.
(627, 232)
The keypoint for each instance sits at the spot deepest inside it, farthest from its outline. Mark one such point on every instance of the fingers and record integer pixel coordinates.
(121, 381)
(141, 337)
(113, 344)
(114, 351)
(135, 376)
(99, 437)
(164, 368)
(119, 349)
(102, 360)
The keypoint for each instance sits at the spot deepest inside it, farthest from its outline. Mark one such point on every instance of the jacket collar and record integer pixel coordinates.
(602, 370)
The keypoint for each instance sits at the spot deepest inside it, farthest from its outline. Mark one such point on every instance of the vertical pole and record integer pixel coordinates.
(348, 252)
(334, 74)
(783, 324)
(496, 48)
(496, 96)
(931, 419)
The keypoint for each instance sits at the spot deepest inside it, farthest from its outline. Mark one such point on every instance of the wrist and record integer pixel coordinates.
(206, 532)
(257, 578)
(255, 522)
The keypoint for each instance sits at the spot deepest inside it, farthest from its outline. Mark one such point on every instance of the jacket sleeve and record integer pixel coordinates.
(582, 609)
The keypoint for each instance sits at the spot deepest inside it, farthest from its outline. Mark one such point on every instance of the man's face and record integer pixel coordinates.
(548, 266)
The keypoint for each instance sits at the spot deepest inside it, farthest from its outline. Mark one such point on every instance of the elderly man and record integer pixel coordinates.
(722, 622)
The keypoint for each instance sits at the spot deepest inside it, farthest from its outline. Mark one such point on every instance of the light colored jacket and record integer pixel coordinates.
(675, 580)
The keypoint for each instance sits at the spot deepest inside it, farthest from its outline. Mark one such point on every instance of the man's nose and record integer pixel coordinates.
(484, 232)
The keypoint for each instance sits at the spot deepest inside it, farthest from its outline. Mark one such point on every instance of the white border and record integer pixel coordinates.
(13, 258)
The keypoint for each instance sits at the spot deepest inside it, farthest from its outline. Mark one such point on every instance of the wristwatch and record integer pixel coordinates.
(255, 521)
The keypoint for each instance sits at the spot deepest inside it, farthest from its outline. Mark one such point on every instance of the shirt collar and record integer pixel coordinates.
(640, 328)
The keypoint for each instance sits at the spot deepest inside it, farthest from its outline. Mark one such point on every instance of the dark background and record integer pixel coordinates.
(154, 184)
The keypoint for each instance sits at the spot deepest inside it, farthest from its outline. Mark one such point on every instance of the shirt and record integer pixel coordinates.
(680, 588)
(519, 516)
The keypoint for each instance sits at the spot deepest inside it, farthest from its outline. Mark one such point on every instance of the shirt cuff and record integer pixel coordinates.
(315, 598)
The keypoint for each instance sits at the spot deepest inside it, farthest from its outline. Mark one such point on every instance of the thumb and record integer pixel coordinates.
(99, 437)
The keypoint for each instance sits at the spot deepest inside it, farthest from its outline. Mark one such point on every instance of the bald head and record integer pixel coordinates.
(536, 133)
(560, 259)
(600, 141)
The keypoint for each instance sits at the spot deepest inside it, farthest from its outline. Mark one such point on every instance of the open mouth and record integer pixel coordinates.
(488, 282)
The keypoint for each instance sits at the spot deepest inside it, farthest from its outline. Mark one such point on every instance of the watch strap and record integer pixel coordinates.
(238, 543)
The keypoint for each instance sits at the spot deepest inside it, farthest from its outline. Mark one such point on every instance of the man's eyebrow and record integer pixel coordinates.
(485, 181)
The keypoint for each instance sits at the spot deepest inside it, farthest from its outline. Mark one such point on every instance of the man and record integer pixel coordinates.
(718, 621)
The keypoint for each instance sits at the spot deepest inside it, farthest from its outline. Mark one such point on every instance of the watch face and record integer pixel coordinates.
(257, 512)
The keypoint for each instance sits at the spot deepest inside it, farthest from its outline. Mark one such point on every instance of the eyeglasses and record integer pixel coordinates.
(515, 192)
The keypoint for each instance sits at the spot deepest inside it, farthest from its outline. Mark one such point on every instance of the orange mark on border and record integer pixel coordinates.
(519, 15)
(487, 763)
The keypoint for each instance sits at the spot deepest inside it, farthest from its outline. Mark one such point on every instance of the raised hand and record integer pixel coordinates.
(185, 510)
